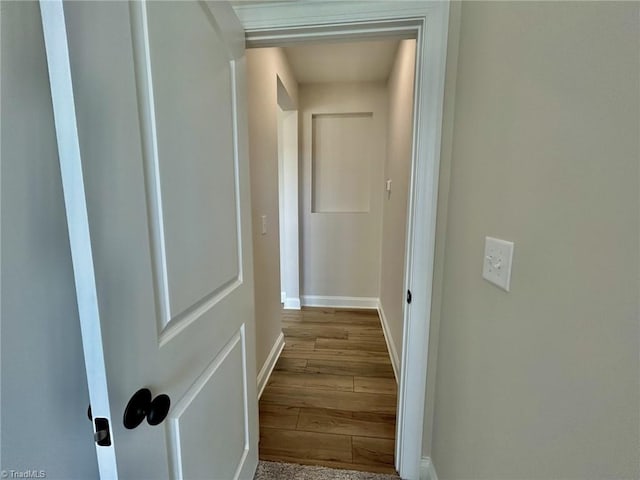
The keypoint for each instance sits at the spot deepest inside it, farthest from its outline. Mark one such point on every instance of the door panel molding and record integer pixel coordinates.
(203, 387)
(171, 323)
(146, 108)
(196, 311)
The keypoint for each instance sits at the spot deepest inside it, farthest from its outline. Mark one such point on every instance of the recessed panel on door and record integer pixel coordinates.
(194, 162)
(208, 426)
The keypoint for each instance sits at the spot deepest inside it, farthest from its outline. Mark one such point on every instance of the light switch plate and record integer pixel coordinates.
(496, 266)
(264, 224)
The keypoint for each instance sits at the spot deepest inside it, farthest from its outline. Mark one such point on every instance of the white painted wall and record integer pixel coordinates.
(398, 170)
(44, 395)
(264, 66)
(289, 201)
(340, 252)
(542, 382)
(280, 119)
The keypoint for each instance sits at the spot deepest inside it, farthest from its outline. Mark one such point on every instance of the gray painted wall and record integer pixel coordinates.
(542, 382)
(264, 66)
(398, 170)
(340, 252)
(44, 395)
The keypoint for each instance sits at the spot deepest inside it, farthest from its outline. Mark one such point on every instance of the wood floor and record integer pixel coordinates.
(331, 399)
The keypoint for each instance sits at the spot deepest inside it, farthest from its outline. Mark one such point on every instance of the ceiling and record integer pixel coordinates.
(365, 61)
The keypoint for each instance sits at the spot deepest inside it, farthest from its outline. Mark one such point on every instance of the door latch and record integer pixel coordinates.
(102, 435)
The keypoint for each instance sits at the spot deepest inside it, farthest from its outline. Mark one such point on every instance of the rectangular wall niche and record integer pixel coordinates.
(340, 162)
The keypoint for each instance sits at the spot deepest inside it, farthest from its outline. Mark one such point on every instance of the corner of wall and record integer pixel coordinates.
(270, 363)
(427, 469)
(391, 345)
(265, 67)
(292, 303)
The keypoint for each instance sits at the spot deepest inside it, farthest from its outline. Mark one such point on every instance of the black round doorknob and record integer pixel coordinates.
(141, 406)
(137, 408)
(159, 409)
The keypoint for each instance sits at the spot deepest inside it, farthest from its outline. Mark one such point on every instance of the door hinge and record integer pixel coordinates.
(408, 296)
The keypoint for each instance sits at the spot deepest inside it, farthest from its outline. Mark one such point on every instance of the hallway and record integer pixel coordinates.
(331, 399)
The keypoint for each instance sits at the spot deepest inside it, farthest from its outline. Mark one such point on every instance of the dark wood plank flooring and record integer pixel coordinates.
(331, 399)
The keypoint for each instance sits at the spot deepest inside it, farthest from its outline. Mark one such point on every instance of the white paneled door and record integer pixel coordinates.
(150, 119)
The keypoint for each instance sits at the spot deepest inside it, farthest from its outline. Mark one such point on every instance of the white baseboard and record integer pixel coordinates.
(270, 363)
(427, 470)
(338, 302)
(283, 297)
(391, 346)
(291, 304)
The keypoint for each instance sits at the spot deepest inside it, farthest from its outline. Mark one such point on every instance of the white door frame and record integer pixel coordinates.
(284, 23)
(287, 113)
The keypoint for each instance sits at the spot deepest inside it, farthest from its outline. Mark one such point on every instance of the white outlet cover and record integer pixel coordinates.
(496, 264)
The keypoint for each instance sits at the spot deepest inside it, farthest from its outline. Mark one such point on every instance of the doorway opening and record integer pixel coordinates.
(286, 23)
(344, 125)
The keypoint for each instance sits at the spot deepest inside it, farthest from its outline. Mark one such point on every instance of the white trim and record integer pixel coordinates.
(260, 19)
(75, 202)
(270, 363)
(283, 297)
(291, 304)
(420, 248)
(339, 302)
(428, 22)
(427, 469)
(391, 346)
